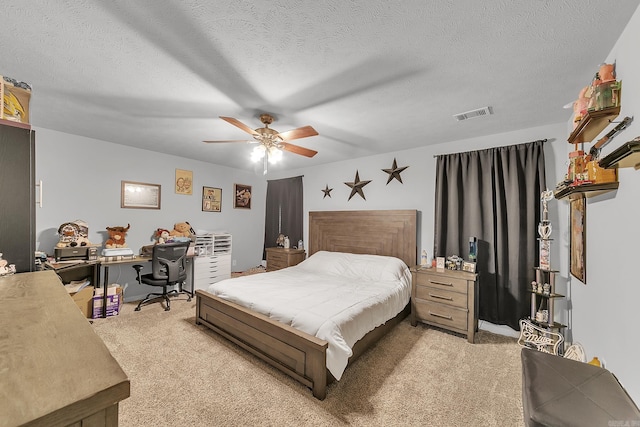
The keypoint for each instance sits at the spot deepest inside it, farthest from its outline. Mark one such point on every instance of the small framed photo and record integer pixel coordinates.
(242, 196)
(211, 199)
(440, 263)
(469, 266)
(139, 195)
(184, 181)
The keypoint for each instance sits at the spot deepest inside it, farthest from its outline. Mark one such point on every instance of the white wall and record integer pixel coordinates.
(418, 181)
(81, 179)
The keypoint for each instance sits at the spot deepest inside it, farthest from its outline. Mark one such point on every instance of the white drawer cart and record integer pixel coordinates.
(212, 261)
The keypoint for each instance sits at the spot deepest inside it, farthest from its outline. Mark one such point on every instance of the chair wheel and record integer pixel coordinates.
(167, 309)
(137, 309)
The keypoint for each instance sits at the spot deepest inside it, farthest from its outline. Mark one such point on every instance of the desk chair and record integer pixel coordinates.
(168, 268)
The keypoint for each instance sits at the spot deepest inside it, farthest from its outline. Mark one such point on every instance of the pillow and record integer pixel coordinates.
(361, 266)
(325, 262)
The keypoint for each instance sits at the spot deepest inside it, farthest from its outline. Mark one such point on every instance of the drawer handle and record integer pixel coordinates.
(441, 315)
(441, 283)
(440, 297)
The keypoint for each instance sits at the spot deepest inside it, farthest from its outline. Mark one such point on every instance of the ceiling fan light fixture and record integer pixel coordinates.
(258, 153)
(275, 155)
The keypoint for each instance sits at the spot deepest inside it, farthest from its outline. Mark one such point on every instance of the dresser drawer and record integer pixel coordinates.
(440, 314)
(280, 257)
(442, 282)
(440, 295)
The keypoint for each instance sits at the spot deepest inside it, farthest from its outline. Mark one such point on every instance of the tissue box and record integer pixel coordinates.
(114, 301)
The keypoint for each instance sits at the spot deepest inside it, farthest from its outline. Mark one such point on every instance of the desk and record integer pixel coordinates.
(55, 369)
(140, 259)
(78, 270)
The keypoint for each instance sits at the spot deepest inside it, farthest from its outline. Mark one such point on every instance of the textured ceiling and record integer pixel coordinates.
(371, 76)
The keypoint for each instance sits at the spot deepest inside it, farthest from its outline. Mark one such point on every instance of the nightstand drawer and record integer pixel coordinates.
(447, 316)
(444, 296)
(442, 282)
(279, 257)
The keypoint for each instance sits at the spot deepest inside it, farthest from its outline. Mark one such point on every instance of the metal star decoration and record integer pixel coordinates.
(356, 186)
(327, 191)
(395, 172)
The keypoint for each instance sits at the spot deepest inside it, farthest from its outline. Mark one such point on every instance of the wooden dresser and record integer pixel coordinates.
(445, 298)
(278, 258)
(54, 368)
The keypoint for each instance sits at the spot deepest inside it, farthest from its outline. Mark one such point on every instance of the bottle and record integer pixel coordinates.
(473, 249)
(300, 244)
(286, 242)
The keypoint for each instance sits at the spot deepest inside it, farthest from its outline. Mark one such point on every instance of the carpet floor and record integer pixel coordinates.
(186, 375)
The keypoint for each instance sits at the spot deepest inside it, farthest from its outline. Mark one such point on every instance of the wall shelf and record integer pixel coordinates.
(587, 190)
(592, 124)
(625, 156)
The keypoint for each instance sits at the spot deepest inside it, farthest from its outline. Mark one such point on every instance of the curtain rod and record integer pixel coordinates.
(537, 140)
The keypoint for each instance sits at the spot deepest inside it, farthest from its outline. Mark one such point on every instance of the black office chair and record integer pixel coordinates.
(168, 268)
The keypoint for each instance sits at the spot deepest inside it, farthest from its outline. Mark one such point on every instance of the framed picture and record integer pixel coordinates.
(184, 182)
(211, 199)
(139, 195)
(469, 266)
(242, 196)
(577, 218)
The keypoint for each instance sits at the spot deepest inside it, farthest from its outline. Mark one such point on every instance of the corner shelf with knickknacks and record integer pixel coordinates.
(539, 331)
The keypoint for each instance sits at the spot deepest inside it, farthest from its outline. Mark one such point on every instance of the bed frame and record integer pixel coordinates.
(296, 353)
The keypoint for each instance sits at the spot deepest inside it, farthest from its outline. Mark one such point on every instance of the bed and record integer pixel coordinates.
(300, 354)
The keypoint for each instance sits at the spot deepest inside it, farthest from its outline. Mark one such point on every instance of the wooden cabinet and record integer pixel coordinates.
(446, 299)
(278, 258)
(17, 192)
(56, 371)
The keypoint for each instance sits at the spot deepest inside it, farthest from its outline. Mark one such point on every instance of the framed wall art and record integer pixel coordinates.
(139, 195)
(577, 230)
(184, 181)
(211, 199)
(242, 196)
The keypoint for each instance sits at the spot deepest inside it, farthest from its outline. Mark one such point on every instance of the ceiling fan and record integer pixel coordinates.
(270, 141)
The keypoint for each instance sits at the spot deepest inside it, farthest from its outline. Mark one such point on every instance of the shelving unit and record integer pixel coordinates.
(592, 124)
(540, 331)
(212, 262)
(587, 190)
(541, 301)
(625, 156)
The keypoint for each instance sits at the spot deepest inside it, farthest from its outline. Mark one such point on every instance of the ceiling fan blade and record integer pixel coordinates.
(297, 149)
(302, 132)
(239, 124)
(248, 141)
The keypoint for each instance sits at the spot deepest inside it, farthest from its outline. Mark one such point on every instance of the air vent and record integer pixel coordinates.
(474, 113)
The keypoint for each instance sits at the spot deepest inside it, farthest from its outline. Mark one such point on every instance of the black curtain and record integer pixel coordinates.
(283, 211)
(493, 195)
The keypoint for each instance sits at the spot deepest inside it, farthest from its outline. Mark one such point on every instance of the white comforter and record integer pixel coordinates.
(337, 297)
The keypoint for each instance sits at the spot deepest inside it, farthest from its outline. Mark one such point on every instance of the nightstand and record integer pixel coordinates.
(278, 258)
(446, 299)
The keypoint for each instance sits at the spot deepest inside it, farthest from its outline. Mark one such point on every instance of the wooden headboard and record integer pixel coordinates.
(384, 232)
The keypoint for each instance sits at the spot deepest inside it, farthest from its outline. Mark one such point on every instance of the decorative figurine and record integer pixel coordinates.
(607, 73)
(424, 262)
